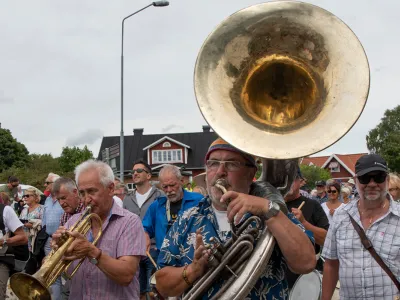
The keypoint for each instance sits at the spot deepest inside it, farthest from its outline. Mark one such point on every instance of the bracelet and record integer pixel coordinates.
(184, 275)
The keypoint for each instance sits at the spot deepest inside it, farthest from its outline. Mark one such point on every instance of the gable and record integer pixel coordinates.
(166, 140)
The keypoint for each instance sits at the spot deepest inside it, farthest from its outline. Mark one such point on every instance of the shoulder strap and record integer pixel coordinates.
(368, 245)
(2, 227)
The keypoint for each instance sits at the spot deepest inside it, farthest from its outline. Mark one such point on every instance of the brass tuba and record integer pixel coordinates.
(279, 80)
(36, 286)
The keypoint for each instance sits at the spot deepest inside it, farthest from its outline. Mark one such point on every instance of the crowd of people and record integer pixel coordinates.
(155, 239)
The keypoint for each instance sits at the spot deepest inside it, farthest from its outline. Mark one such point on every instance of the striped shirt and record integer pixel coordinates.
(123, 235)
(360, 275)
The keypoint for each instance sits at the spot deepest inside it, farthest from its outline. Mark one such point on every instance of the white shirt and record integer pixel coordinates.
(118, 201)
(222, 220)
(10, 219)
(142, 198)
(326, 210)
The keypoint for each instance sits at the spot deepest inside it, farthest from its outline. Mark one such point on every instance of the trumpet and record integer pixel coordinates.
(36, 286)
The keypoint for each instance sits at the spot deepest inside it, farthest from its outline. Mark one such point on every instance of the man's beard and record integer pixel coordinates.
(174, 197)
(215, 193)
(378, 195)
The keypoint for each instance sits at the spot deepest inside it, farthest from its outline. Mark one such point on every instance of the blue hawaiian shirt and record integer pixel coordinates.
(178, 249)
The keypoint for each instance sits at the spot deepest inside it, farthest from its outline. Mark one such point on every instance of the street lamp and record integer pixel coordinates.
(121, 141)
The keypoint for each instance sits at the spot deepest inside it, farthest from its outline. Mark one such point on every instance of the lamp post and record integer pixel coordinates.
(121, 141)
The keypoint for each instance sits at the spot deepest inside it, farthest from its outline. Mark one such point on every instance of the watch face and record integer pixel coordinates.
(93, 261)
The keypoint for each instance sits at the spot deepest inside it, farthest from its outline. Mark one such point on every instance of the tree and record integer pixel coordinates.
(12, 152)
(384, 139)
(36, 170)
(312, 174)
(71, 157)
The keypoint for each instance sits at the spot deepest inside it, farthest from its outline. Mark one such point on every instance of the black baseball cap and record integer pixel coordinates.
(369, 163)
(320, 183)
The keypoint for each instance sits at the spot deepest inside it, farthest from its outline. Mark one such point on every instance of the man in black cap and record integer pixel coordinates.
(361, 277)
(322, 196)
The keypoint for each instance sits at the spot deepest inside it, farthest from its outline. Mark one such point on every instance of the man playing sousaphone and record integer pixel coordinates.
(183, 256)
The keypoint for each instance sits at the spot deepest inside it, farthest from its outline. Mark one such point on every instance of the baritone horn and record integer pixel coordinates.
(36, 286)
(278, 80)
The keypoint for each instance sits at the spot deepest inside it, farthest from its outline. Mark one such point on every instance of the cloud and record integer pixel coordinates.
(87, 137)
(170, 127)
(4, 99)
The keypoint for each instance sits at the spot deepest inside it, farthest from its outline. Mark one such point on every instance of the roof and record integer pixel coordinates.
(134, 145)
(347, 160)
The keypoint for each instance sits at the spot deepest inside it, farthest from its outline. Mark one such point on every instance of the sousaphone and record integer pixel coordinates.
(279, 80)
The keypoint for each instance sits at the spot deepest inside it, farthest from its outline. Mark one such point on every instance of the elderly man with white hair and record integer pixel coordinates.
(111, 268)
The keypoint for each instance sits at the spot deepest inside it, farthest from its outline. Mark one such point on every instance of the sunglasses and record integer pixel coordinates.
(139, 170)
(26, 196)
(378, 178)
(331, 191)
(48, 182)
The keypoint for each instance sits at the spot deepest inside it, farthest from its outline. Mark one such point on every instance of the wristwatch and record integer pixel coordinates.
(95, 260)
(273, 210)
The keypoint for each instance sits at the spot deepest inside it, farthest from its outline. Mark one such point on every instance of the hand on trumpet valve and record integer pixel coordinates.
(240, 204)
(80, 248)
(59, 237)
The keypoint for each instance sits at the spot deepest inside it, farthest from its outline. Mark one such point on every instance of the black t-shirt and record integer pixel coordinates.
(315, 215)
(174, 208)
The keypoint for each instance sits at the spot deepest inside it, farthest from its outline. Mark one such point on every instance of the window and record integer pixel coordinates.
(131, 186)
(334, 167)
(167, 156)
(166, 145)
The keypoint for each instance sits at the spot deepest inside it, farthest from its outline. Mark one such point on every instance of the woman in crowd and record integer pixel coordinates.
(32, 215)
(333, 203)
(394, 186)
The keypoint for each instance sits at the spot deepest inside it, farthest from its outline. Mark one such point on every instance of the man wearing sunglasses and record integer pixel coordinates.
(138, 202)
(346, 259)
(11, 188)
(184, 255)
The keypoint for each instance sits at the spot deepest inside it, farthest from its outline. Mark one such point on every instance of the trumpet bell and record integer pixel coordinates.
(27, 287)
(274, 79)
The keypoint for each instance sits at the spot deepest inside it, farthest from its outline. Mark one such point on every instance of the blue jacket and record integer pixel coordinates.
(155, 221)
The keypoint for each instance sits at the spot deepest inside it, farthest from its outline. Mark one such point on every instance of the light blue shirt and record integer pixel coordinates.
(51, 215)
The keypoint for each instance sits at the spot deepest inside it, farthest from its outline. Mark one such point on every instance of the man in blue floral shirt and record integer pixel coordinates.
(183, 256)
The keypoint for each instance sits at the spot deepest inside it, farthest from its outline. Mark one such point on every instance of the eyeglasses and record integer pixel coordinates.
(230, 166)
(26, 196)
(48, 182)
(393, 189)
(331, 191)
(378, 178)
(139, 170)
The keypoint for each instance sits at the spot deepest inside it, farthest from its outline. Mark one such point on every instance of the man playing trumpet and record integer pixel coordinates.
(111, 268)
(183, 256)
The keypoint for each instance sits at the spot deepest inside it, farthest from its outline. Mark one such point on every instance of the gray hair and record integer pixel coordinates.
(170, 169)
(105, 172)
(53, 176)
(122, 186)
(66, 182)
(346, 190)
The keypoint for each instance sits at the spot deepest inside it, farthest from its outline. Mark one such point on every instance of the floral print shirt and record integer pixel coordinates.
(179, 244)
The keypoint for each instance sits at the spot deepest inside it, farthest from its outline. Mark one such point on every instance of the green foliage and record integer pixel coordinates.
(71, 157)
(12, 152)
(312, 174)
(384, 139)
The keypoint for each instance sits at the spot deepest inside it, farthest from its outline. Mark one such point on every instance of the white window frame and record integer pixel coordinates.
(166, 145)
(334, 169)
(166, 156)
(113, 163)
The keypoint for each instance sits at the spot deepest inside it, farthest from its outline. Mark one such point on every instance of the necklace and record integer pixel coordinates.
(362, 212)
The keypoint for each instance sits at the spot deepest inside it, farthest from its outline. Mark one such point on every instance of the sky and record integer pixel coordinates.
(60, 67)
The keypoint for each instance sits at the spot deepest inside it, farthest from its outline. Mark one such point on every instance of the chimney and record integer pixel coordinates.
(137, 131)
(206, 128)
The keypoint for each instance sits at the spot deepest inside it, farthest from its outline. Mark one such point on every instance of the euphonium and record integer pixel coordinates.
(279, 80)
(35, 287)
